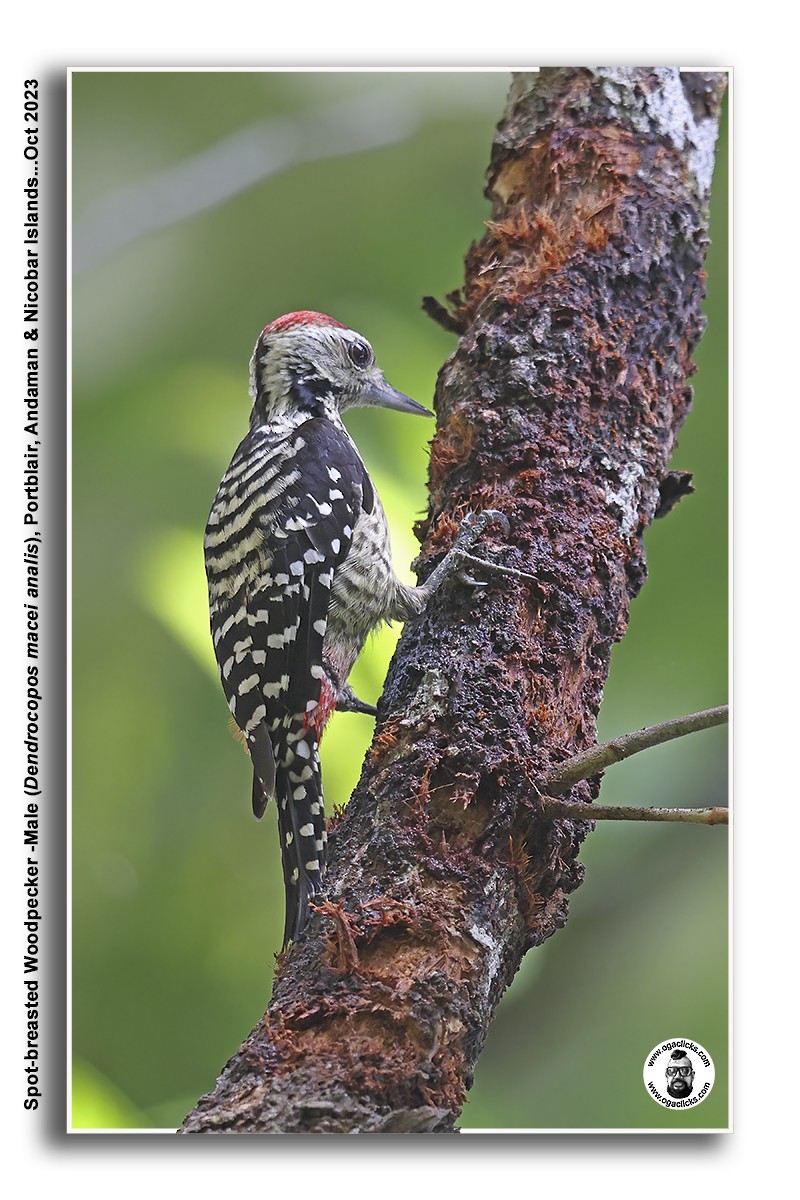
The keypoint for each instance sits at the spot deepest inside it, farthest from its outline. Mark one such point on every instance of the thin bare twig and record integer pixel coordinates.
(609, 812)
(597, 758)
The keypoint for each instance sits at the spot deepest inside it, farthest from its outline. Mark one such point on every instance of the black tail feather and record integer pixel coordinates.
(260, 798)
(260, 746)
(297, 886)
(301, 824)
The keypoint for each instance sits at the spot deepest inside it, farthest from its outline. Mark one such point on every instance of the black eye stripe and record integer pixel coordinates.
(360, 354)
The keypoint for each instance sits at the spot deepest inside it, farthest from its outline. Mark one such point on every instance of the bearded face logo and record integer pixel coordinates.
(680, 1075)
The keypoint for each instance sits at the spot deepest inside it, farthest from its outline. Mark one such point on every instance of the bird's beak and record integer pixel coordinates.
(385, 396)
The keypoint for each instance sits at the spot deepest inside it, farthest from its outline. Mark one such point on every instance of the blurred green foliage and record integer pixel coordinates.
(176, 905)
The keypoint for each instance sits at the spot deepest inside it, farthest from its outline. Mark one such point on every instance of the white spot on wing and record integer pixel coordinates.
(256, 719)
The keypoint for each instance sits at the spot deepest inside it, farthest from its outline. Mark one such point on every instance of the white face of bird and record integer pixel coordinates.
(310, 362)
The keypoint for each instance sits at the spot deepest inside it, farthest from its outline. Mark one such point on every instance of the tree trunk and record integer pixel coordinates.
(560, 407)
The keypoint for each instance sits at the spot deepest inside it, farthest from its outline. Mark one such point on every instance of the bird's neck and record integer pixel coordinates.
(284, 412)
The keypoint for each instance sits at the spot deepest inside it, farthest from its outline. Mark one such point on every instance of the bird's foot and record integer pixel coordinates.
(348, 701)
(459, 557)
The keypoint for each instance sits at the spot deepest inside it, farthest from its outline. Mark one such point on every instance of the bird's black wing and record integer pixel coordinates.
(280, 527)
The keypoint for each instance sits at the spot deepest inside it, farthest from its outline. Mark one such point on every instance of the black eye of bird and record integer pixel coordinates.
(360, 354)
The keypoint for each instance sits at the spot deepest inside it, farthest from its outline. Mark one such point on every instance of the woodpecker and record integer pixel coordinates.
(299, 570)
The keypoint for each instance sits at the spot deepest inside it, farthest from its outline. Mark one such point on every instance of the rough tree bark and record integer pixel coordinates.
(560, 406)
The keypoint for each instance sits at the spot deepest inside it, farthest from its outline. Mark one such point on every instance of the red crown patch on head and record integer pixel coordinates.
(305, 317)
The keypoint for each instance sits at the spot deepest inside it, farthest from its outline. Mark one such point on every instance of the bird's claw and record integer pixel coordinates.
(348, 701)
(472, 526)
(459, 558)
(464, 577)
(474, 523)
